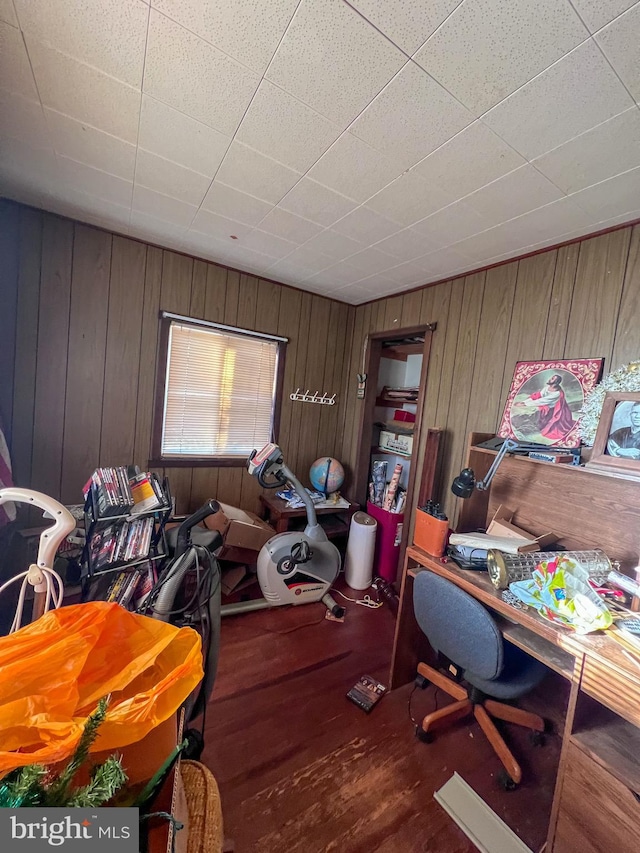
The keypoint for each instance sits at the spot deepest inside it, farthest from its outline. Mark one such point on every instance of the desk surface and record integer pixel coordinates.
(280, 508)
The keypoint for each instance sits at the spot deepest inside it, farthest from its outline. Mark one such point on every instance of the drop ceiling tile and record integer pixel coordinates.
(372, 261)
(597, 13)
(392, 124)
(22, 118)
(409, 199)
(214, 225)
(365, 225)
(577, 93)
(148, 227)
(406, 274)
(15, 72)
(488, 244)
(316, 202)
(89, 209)
(260, 241)
(518, 192)
(333, 245)
(620, 42)
(327, 44)
(333, 277)
(408, 244)
(85, 144)
(444, 262)
(354, 168)
(309, 258)
(170, 179)
(110, 34)
(248, 30)
(504, 44)
(473, 158)
(293, 272)
(251, 172)
(93, 182)
(606, 150)
(84, 93)
(163, 207)
(354, 294)
(239, 257)
(234, 204)
(612, 197)
(178, 137)
(451, 224)
(407, 24)
(551, 220)
(34, 168)
(283, 224)
(280, 126)
(7, 13)
(188, 73)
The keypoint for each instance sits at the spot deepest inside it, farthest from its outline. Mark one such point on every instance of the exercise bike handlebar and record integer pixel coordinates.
(182, 540)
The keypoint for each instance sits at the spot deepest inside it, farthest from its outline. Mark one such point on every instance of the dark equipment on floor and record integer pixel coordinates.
(461, 630)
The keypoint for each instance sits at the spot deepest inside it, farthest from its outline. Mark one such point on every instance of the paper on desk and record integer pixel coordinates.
(507, 544)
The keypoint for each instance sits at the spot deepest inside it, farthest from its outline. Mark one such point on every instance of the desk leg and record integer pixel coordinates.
(410, 645)
(281, 524)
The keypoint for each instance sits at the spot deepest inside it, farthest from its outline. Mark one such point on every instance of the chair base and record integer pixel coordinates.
(467, 704)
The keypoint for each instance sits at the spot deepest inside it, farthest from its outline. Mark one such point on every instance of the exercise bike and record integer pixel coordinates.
(293, 567)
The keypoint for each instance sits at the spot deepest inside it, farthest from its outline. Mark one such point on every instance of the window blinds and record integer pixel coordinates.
(220, 392)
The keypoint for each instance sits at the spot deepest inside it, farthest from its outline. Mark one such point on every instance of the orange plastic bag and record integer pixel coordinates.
(54, 671)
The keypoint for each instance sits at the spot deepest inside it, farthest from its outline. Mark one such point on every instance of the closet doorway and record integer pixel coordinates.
(396, 365)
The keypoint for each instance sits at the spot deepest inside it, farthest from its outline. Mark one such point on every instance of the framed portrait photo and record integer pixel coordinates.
(616, 448)
(545, 399)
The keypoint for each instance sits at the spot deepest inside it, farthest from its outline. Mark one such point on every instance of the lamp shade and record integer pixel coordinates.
(464, 484)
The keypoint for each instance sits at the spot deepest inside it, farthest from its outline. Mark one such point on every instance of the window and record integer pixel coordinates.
(218, 395)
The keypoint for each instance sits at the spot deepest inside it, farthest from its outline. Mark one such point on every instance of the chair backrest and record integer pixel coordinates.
(458, 626)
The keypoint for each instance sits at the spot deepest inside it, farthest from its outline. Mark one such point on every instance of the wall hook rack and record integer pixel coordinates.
(313, 398)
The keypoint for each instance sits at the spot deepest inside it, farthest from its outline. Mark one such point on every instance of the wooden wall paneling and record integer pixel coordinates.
(53, 344)
(30, 259)
(626, 346)
(177, 274)
(86, 359)
(216, 293)
(352, 425)
(9, 271)
(317, 354)
(353, 367)
(231, 298)
(393, 313)
(343, 371)
(596, 299)
(175, 296)
(288, 327)
(564, 278)
(534, 285)
(198, 289)
(247, 319)
(446, 386)
(148, 356)
(463, 373)
(268, 306)
(300, 378)
(334, 372)
(493, 333)
(411, 304)
(122, 362)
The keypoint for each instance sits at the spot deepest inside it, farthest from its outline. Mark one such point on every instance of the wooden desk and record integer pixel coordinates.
(601, 738)
(279, 515)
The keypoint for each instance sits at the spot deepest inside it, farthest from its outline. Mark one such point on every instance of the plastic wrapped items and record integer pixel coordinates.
(54, 671)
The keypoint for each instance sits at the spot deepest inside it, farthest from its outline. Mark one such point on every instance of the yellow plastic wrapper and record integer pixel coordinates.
(54, 671)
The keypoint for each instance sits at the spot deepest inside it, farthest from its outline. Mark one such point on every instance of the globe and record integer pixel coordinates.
(326, 475)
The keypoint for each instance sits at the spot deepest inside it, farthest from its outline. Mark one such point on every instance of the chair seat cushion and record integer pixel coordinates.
(520, 674)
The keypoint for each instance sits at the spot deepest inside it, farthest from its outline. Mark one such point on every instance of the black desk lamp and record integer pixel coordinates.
(466, 482)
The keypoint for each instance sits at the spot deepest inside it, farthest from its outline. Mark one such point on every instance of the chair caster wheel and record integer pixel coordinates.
(422, 736)
(506, 782)
(536, 738)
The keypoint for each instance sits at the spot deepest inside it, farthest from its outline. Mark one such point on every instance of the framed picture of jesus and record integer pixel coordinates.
(545, 399)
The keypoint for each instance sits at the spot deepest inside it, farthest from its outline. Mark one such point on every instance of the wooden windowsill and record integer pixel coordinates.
(200, 462)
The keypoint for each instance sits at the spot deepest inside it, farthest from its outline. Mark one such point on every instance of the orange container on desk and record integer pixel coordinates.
(430, 533)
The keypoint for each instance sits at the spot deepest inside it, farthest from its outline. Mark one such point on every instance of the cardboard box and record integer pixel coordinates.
(243, 533)
(501, 525)
(396, 442)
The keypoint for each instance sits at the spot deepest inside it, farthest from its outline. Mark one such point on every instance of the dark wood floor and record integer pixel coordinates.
(302, 769)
